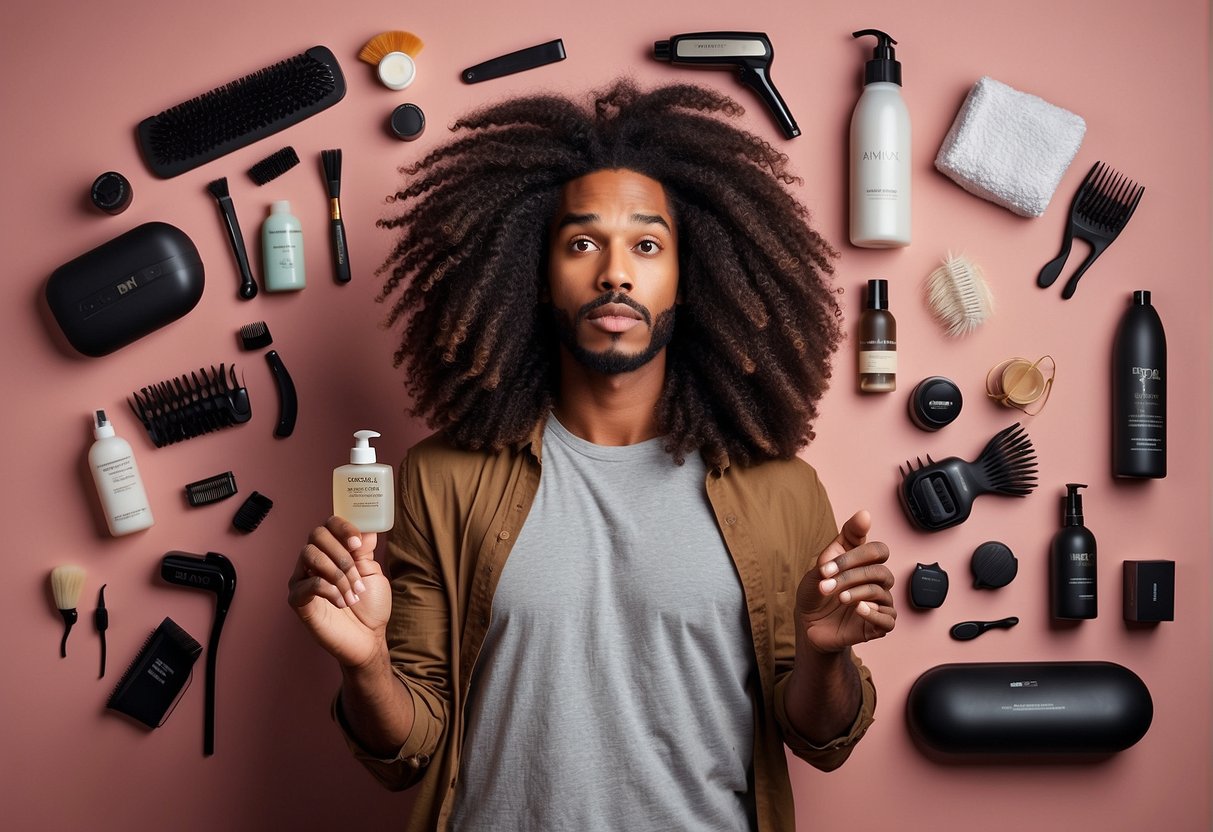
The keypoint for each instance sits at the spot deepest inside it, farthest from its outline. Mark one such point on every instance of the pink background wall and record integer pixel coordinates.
(79, 76)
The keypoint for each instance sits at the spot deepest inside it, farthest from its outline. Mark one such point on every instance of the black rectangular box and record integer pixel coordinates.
(1149, 590)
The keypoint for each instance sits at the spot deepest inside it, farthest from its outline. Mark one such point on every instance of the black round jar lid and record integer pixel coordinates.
(408, 122)
(111, 192)
(934, 403)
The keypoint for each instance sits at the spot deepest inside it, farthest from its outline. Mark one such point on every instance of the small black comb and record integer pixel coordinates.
(211, 490)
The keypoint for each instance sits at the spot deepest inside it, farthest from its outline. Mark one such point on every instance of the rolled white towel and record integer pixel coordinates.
(1010, 147)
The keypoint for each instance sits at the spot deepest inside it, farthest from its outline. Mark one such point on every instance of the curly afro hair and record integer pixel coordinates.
(759, 322)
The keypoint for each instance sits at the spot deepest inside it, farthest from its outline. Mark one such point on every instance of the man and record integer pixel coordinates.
(613, 591)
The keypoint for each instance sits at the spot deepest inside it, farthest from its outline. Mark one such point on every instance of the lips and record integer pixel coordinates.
(614, 318)
(615, 310)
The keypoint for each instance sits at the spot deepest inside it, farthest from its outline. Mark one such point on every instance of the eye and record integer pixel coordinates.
(648, 247)
(581, 245)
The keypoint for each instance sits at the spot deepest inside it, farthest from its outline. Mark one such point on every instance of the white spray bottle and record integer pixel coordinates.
(118, 482)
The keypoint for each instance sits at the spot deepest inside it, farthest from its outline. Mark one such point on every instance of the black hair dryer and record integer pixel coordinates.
(211, 573)
(749, 52)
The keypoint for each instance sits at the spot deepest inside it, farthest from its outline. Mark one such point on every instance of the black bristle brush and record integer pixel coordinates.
(331, 160)
(66, 583)
(274, 165)
(939, 495)
(219, 190)
(239, 113)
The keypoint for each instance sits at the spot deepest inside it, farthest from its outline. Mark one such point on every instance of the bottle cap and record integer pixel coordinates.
(878, 294)
(1141, 297)
(280, 206)
(362, 453)
(884, 65)
(102, 429)
(1073, 504)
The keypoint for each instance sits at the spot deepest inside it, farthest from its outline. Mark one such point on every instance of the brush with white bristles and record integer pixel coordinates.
(66, 583)
(958, 296)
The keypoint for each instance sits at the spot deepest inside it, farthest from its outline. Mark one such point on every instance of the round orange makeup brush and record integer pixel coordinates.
(393, 53)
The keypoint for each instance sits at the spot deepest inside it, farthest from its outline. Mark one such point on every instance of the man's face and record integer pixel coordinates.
(613, 270)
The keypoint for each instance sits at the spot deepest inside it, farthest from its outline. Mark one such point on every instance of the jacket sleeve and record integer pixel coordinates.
(418, 638)
(815, 531)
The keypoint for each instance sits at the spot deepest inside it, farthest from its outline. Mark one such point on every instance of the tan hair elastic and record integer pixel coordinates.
(1020, 383)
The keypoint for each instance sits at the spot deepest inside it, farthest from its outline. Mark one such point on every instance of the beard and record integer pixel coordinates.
(613, 361)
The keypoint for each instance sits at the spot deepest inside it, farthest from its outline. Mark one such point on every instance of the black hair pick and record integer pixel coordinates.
(939, 495)
(188, 406)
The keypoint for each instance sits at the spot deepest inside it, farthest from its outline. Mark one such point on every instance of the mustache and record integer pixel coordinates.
(615, 297)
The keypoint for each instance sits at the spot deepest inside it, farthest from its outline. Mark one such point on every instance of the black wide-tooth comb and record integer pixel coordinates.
(188, 406)
(939, 495)
(239, 113)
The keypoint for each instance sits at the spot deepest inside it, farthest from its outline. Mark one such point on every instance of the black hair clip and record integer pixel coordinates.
(939, 495)
(189, 406)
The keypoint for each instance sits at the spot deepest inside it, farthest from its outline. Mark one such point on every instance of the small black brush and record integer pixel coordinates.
(252, 512)
(332, 174)
(274, 165)
(218, 189)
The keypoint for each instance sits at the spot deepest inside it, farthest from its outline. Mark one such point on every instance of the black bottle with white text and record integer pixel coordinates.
(1139, 393)
(1073, 590)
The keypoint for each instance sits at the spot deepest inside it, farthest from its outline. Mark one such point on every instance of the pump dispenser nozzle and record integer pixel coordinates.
(1073, 504)
(362, 453)
(884, 65)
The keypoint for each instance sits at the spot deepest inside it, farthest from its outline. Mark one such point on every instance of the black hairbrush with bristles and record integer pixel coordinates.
(939, 495)
(239, 113)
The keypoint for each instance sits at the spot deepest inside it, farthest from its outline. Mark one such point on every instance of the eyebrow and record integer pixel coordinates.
(588, 219)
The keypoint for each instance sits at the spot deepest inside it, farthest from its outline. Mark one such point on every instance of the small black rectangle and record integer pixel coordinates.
(157, 676)
(1149, 590)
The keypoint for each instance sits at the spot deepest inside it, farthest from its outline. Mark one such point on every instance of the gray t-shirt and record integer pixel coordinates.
(611, 690)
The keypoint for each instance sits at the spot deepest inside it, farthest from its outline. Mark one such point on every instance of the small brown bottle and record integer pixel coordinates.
(877, 342)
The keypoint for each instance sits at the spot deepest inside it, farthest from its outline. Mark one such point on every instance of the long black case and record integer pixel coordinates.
(1028, 708)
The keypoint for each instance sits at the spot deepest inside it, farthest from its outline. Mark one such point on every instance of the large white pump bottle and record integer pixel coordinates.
(117, 479)
(880, 153)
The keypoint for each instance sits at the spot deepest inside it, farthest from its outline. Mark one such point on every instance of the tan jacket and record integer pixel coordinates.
(458, 515)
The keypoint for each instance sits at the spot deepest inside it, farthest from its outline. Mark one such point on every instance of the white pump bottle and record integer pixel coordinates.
(364, 491)
(880, 153)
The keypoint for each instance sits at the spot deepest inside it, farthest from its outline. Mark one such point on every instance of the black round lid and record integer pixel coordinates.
(935, 402)
(928, 586)
(111, 192)
(994, 565)
(408, 122)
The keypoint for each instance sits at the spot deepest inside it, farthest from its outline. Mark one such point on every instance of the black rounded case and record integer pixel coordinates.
(1025, 708)
(126, 288)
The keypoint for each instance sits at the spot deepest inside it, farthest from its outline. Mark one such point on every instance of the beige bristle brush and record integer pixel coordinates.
(392, 53)
(66, 583)
(958, 296)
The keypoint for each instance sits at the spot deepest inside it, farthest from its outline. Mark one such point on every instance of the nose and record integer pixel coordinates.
(616, 272)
